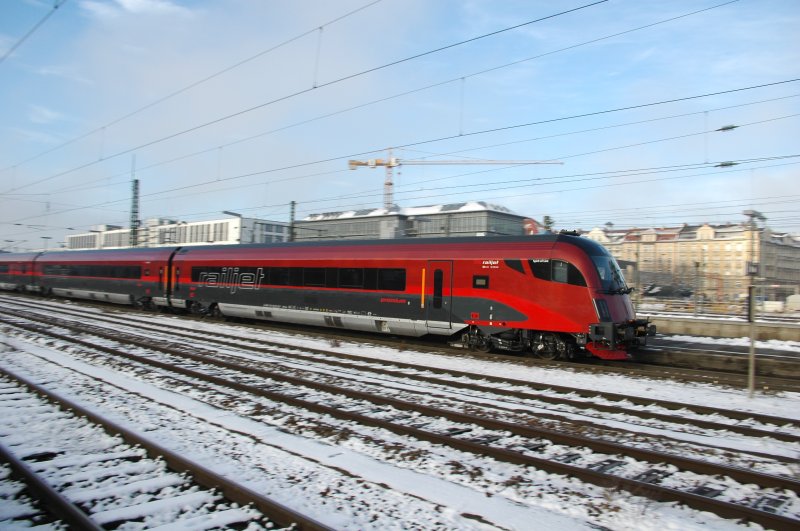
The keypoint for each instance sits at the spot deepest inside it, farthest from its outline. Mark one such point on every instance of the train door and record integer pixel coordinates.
(32, 280)
(439, 284)
(163, 291)
(172, 282)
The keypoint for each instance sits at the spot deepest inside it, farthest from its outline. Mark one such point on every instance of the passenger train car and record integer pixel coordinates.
(555, 295)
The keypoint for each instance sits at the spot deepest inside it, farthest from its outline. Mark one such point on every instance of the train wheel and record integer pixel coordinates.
(215, 313)
(547, 354)
(483, 344)
(549, 347)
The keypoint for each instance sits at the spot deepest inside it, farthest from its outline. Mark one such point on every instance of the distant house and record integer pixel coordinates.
(165, 232)
(475, 218)
(714, 259)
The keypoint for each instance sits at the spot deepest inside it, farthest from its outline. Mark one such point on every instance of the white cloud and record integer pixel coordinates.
(42, 115)
(136, 7)
(62, 71)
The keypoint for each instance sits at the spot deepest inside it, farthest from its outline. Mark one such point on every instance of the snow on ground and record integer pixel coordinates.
(416, 492)
(771, 344)
(783, 404)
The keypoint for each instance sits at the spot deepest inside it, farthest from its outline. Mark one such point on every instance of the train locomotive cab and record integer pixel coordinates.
(571, 300)
(617, 330)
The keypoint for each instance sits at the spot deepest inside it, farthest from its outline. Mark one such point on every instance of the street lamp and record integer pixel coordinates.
(752, 271)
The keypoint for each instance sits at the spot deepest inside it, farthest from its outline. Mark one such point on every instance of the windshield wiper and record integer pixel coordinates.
(618, 291)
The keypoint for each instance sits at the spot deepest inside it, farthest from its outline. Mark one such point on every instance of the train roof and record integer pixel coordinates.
(407, 245)
(459, 246)
(132, 254)
(18, 257)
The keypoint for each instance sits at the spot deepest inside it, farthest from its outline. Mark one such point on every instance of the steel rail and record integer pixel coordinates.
(233, 491)
(694, 465)
(51, 499)
(636, 487)
(703, 410)
(706, 424)
(641, 369)
(742, 430)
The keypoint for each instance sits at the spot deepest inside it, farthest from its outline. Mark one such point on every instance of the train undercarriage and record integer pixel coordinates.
(607, 341)
(544, 345)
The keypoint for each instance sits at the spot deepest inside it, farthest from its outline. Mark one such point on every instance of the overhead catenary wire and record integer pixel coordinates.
(349, 109)
(484, 171)
(190, 86)
(228, 179)
(56, 4)
(449, 194)
(289, 177)
(126, 173)
(494, 188)
(599, 217)
(307, 90)
(439, 139)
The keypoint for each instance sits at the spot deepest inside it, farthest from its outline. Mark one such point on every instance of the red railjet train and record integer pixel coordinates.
(554, 295)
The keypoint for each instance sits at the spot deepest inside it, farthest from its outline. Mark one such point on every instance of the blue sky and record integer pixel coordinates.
(245, 106)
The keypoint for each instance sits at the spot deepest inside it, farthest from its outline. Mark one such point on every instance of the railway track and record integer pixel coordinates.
(611, 403)
(687, 370)
(91, 473)
(646, 472)
(221, 426)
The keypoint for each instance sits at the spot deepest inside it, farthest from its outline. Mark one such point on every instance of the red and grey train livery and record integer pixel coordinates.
(554, 295)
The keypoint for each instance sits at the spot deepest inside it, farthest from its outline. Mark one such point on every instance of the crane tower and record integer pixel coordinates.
(392, 162)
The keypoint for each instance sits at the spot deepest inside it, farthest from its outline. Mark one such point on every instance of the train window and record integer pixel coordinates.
(314, 276)
(516, 265)
(481, 282)
(567, 273)
(3, 268)
(89, 270)
(559, 271)
(392, 279)
(351, 277)
(438, 281)
(55, 270)
(370, 278)
(540, 269)
(200, 274)
(295, 276)
(278, 276)
(332, 277)
(575, 277)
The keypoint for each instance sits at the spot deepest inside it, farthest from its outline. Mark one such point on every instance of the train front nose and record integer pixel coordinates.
(618, 328)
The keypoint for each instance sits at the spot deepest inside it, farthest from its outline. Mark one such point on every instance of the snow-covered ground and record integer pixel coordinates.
(349, 489)
(771, 344)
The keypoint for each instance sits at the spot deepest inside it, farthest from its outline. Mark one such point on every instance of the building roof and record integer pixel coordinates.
(471, 206)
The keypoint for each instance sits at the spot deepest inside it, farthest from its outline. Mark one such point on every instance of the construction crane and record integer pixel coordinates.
(392, 162)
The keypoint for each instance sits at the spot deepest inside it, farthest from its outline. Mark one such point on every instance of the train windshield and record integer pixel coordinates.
(610, 275)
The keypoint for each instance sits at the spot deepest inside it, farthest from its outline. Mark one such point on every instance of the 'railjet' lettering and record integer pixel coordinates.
(230, 277)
